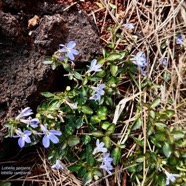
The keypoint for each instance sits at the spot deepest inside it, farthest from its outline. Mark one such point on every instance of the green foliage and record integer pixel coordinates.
(83, 119)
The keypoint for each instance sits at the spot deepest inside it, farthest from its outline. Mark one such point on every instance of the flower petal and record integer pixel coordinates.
(97, 142)
(21, 142)
(27, 139)
(71, 44)
(70, 55)
(53, 138)
(56, 132)
(27, 132)
(74, 51)
(63, 50)
(101, 86)
(46, 141)
(93, 62)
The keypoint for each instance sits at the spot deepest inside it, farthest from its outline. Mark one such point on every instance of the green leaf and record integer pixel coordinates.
(87, 178)
(94, 119)
(110, 130)
(97, 172)
(178, 134)
(155, 142)
(86, 139)
(138, 141)
(152, 114)
(113, 69)
(155, 103)
(160, 124)
(132, 169)
(82, 172)
(160, 136)
(167, 150)
(5, 183)
(105, 125)
(47, 94)
(94, 78)
(85, 81)
(79, 123)
(101, 74)
(102, 111)
(67, 67)
(173, 161)
(89, 156)
(137, 124)
(140, 159)
(47, 61)
(73, 140)
(97, 133)
(87, 110)
(107, 142)
(54, 66)
(75, 168)
(78, 75)
(54, 105)
(69, 129)
(113, 57)
(161, 179)
(169, 113)
(116, 155)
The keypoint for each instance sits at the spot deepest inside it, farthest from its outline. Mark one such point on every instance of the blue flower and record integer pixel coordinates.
(170, 177)
(179, 39)
(129, 26)
(99, 147)
(98, 92)
(94, 67)
(23, 137)
(58, 165)
(69, 50)
(49, 135)
(32, 122)
(163, 61)
(141, 61)
(25, 112)
(106, 163)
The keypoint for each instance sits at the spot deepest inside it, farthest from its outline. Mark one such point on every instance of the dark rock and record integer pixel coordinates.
(23, 76)
(49, 34)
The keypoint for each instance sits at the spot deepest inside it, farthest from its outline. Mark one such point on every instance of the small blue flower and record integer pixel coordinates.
(170, 177)
(108, 167)
(179, 39)
(141, 61)
(129, 26)
(49, 135)
(25, 112)
(106, 158)
(32, 122)
(106, 163)
(23, 137)
(98, 92)
(94, 67)
(58, 165)
(163, 61)
(69, 50)
(99, 147)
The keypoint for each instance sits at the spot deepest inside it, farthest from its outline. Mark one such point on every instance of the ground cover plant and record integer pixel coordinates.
(120, 121)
